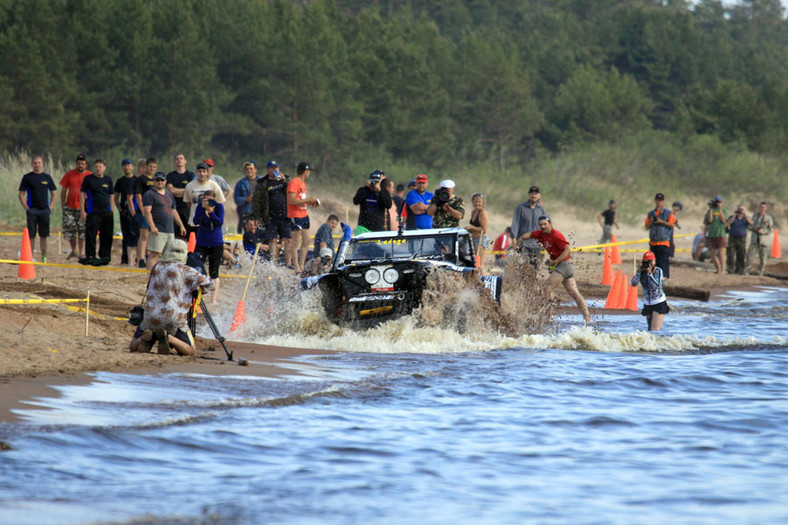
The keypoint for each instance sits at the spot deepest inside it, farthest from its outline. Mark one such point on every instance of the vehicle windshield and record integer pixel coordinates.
(432, 247)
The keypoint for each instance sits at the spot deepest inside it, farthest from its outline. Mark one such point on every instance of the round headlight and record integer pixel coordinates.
(391, 275)
(372, 276)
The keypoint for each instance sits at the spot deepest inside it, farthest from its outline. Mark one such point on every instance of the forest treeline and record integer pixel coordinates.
(436, 83)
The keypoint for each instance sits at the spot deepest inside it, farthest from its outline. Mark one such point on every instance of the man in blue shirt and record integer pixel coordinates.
(737, 224)
(418, 201)
(244, 193)
(37, 195)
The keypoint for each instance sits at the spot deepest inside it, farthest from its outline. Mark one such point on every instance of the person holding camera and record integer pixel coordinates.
(760, 240)
(446, 209)
(737, 225)
(168, 300)
(373, 203)
(209, 217)
(561, 269)
(655, 303)
(660, 223)
(716, 219)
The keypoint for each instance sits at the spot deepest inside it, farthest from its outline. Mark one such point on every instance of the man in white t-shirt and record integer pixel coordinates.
(193, 192)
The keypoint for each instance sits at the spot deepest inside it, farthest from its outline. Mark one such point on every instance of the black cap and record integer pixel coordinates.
(659, 197)
(533, 189)
(375, 175)
(304, 166)
(82, 157)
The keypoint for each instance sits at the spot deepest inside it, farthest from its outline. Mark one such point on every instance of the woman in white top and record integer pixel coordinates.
(655, 304)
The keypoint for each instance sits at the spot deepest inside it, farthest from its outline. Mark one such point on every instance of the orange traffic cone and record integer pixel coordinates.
(612, 296)
(632, 298)
(607, 269)
(615, 254)
(776, 251)
(238, 318)
(621, 302)
(26, 271)
(192, 242)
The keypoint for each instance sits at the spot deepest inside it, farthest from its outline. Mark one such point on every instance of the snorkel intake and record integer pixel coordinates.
(347, 234)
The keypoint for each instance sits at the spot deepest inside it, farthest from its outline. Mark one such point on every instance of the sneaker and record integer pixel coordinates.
(141, 264)
(164, 344)
(43, 258)
(71, 255)
(146, 341)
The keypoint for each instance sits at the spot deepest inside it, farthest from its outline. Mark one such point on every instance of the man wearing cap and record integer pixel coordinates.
(526, 220)
(168, 300)
(660, 222)
(446, 209)
(373, 203)
(715, 219)
(417, 202)
(73, 225)
(297, 203)
(176, 184)
(244, 193)
(161, 214)
(143, 184)
(192, 194)
(561, 269)
(124, 187)
(37, 193)
(269, 207)
(737, 225)
(761, 239)
(606, 220)
(218, 179)
(95, 205)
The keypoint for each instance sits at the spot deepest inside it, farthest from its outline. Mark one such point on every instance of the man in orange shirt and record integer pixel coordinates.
(660, 223)
(73, 223)
(297, 203)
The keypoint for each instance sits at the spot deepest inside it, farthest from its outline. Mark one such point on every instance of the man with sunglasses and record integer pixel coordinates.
(417, 202)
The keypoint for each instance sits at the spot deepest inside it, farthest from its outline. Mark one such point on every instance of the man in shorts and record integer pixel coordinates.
(297, 203)
(561, 270)
(269, 207)
(37, 193)
(143, 184)
(158, 206)
(73, 224)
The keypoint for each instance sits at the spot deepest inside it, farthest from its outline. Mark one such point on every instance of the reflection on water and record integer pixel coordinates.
(421, 424)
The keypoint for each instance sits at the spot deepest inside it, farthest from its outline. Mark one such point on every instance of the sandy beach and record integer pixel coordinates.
(44, 344)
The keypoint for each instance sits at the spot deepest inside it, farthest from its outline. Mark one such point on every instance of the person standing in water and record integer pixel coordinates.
(655, 303)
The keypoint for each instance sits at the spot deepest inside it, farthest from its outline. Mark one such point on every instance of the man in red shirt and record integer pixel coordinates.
(561, 270)
(73, 223)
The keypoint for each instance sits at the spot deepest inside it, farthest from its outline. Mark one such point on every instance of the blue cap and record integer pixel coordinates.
(126, 161)
(272, 164)
(202, 166)
(412, 182)
(718, 198)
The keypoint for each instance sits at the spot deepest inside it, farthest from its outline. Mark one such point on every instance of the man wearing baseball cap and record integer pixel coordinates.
(218, 179)
(373, 203)
(297, 204)
(446, 209)
(660, 222)
(526, 220)
(124, 186)
(417, 202)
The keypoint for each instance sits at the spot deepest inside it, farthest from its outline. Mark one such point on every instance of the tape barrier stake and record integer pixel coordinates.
(87, 312)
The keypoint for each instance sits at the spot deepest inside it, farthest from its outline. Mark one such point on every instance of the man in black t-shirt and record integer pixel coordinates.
(269, 206)
(124, 187)
(37, 193)
(176, 182)
(606, 220)
(143, 184)
(95, 206)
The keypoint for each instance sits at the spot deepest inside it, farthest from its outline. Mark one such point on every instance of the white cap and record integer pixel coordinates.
(448, 183)
(326, 252)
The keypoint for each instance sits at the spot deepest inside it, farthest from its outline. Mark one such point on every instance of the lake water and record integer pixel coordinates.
(419, 425)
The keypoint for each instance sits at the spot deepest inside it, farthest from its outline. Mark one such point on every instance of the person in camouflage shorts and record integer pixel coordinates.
(760, 240)
(446, 209)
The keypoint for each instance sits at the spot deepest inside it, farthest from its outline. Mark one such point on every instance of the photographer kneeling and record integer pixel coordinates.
(445, 208)
(167, 302)
(655, 304)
